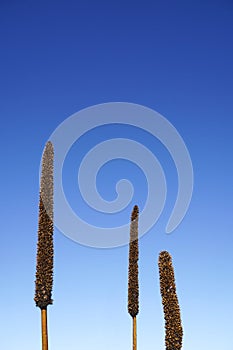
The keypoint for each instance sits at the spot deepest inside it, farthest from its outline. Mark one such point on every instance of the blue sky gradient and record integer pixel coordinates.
(174, 57)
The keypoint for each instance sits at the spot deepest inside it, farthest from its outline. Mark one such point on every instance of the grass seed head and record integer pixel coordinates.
(45, 251)
(173, 326)
(133, 287)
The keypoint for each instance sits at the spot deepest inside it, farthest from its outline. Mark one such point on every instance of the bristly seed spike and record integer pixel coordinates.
(133, 288)
(173, 326)
(45, 250)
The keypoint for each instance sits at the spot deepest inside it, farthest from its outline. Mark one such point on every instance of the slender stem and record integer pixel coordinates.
(134, 333)
(44, 329)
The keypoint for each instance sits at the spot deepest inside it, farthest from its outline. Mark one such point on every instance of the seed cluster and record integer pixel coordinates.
(133, 288)
(45, 251)
(174, 331)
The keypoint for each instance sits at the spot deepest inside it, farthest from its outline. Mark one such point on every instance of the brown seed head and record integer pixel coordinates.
(174, 331)
(133, 287)
(44, 266)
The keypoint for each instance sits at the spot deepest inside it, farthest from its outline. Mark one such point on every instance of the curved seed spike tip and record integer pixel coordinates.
(134, 213)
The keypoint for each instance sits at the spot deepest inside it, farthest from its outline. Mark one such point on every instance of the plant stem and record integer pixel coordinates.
(134, 333)
(44, 329)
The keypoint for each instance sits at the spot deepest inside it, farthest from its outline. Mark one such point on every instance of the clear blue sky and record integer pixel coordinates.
(59, 57)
